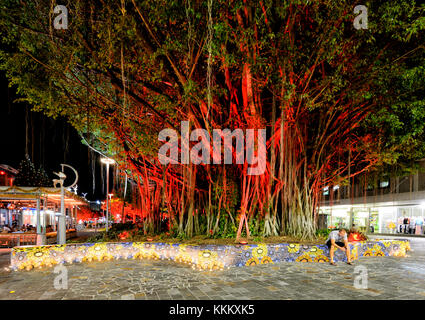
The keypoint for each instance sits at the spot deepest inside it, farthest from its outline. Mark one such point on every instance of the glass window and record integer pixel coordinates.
(340, 218)
(374, 225)
(360, 219)
(384, 184)
(326, 191)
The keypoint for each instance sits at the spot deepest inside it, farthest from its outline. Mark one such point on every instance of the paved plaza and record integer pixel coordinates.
(388, 278)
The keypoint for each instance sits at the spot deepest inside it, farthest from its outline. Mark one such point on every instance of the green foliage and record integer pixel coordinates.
(118, 227)
(43, 178)
(226, 229)
(256, 226)
(120, 75)
(257, 239)
(174, 231)
(100, 237)
(182, 236)
(73, 73)
(323, 233)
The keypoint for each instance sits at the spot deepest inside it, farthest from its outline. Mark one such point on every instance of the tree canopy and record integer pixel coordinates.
(336, 101)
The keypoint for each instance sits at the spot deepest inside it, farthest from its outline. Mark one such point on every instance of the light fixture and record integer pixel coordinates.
(107, 160)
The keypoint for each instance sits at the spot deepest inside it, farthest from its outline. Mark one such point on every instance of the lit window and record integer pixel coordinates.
(326, 191)
(384, 184)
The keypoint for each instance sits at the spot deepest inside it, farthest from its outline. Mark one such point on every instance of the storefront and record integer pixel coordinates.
(381, 218)
(48, 218)
(19, 206)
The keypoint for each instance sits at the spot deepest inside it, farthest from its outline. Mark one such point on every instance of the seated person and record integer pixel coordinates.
(338, 240)
(6, 229)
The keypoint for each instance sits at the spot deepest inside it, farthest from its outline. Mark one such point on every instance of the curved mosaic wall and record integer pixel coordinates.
(198, 256)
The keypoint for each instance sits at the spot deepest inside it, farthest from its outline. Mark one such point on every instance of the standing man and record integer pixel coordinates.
(338, 240)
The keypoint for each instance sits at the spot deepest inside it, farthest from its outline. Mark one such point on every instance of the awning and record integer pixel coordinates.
(29, 195)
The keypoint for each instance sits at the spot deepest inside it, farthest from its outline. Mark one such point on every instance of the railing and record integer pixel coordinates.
(10, 240)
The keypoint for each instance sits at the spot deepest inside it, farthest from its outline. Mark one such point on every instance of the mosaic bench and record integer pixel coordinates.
(202, 257)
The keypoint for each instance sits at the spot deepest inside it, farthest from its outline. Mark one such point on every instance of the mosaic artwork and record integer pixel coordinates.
(203, 257)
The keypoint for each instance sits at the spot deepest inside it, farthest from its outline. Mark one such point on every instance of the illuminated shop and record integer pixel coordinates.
(24, 206)
(381, 218)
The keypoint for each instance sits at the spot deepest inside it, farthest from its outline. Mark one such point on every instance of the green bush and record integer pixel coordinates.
(323, 232)
(119, 227)
(174, 230)
(116, 229)
(100, 237)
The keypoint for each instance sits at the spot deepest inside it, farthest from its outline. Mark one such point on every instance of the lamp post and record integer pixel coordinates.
(41, 238)
(61, 232)
(110, 195)
(107, 161)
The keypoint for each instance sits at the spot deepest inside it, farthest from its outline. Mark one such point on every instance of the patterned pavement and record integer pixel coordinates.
(388, 278)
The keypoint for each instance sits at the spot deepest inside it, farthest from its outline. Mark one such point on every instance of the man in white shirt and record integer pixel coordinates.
(338, 240)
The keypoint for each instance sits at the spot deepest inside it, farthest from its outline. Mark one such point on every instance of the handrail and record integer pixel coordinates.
(19, 239)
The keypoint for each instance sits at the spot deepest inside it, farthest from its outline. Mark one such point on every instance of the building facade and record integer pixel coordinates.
(387, 206)
(7, 175)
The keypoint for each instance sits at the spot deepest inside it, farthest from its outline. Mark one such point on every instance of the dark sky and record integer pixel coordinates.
(51, 142)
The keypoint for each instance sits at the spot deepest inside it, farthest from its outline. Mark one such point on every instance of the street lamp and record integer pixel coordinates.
(107, 161)
(61, 232)
(110, 195)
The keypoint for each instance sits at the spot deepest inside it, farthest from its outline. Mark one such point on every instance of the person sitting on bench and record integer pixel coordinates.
(338, 240)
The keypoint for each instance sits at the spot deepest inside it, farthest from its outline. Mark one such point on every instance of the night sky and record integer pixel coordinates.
(51, 142)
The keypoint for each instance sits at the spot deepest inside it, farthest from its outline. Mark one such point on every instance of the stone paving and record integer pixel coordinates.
(388, 278)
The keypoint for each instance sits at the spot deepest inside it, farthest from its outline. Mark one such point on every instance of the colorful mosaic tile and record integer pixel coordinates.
(205, 257)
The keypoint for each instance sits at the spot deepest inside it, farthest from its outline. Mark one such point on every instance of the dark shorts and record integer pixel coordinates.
(338, 243)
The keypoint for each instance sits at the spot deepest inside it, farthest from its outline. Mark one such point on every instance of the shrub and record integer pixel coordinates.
(323, 232)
